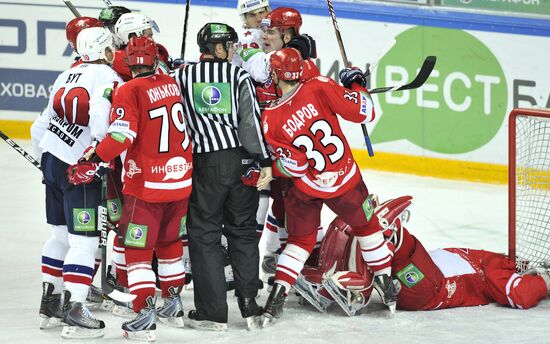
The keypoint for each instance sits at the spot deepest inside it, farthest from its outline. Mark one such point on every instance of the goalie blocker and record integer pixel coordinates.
(438, 279)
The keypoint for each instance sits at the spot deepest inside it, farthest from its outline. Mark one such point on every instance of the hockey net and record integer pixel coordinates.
(529, 187)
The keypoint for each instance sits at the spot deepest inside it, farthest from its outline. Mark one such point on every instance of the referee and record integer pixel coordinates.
(224, 122)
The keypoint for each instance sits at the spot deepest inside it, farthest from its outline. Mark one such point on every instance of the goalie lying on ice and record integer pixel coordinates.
(442, 278)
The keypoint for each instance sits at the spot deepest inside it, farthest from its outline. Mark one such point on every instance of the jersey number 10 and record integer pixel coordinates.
(74, 107)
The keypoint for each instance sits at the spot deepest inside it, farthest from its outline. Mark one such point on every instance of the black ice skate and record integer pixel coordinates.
(251, 312)
(198, 322)
(80, 322)
(94, 300)
(387, 290)
(50, 307)
(143, 326)
(171, 312)
(274, 305)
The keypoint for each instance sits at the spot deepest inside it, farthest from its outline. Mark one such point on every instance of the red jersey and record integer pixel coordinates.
(307, 140)
(148, 119)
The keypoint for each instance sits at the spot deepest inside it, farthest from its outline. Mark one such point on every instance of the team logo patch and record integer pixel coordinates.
(114, 207)
(212, 98)
(410, 275)
(136, 235)
(368, 209)
(84, 219)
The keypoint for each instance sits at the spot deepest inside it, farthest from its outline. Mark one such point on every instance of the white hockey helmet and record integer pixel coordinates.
(246, 6)
(133, 23)
(91, 43)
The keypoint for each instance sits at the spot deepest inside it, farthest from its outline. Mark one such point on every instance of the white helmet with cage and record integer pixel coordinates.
(133, 23)
(247, 6)
(92, 42)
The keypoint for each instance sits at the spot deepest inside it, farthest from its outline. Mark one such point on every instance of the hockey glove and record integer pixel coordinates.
(348, 76)
(305, 44)
(86, 172)
(250, 176)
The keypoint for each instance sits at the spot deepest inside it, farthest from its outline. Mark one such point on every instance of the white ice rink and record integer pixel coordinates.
(444, 214)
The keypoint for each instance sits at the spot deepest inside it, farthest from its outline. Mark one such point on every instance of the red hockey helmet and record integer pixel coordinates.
(141, 51)
(283, 18)
(78, 24)
(287, 63)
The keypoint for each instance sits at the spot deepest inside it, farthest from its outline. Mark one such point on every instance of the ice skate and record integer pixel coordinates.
(269, 262)
(50, 307)
(251, 312)
(143, 326)
(94, 300)
(80, 322)
(199, 323)
(385, 287)
(274, 305)
(310, 292)
(351, 301)
(171, 312)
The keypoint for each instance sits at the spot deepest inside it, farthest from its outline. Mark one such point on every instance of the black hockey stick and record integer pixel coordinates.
(184, 36)
(72, 8)
(104, 224)
(20, 150)
(347, 64)
(419, 80)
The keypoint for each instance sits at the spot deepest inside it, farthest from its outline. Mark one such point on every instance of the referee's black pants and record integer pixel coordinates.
(220, 198)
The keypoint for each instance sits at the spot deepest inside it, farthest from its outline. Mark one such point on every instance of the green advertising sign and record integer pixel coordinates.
(461, 106)
(214, 98)
(518, 6)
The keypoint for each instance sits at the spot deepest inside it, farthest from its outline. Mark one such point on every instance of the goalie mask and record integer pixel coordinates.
(287, 64)
(76, 25)
(92, 44)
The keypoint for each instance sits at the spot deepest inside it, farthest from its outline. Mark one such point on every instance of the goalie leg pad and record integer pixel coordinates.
(350, 290)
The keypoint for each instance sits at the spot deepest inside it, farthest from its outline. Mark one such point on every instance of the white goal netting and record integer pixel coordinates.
(532, 175)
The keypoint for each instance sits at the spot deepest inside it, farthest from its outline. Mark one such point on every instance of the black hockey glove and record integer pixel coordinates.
(305, 44)
(348, 76)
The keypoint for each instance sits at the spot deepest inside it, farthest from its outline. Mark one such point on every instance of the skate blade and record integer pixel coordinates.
(268, 320)
(254, 322)
(207, 325)
(392, 306)
(144, 336)
(47, 323)
(172, 321)
(107, 305)
(123, 312)
(93, 306)
(76, 332)
(342, 301)
(307, 294)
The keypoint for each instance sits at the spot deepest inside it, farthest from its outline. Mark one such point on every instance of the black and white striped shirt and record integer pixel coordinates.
(221, 108)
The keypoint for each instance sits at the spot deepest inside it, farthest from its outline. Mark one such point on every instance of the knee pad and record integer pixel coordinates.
(87, 244)
(60, 234)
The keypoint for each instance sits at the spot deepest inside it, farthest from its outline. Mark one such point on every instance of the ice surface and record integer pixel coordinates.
(445, 213)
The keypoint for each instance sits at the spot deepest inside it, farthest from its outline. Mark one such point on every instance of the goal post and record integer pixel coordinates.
(529, 187)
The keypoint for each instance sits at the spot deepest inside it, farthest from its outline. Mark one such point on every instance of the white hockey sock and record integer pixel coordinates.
(78, 268)
(53, 255)
(376, 253)
(290, 264)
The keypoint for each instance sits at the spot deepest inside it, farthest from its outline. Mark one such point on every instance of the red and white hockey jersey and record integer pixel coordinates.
(249, 38)
(77, 112)
(306, 138)
(148, 121)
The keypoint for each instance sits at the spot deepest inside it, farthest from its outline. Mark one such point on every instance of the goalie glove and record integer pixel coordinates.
(305, 44)
(86, 172)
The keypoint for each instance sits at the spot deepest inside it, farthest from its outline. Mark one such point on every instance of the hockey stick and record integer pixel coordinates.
(103, 224)
(347, 64)
(72, 8)
(20, 150)
(108, 3)
(423, 74)
(184, 37)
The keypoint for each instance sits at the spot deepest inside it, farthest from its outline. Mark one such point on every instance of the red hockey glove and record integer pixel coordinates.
(86, 172)
(250, 176)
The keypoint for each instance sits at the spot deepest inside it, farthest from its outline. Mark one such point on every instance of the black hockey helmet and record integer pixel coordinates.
(213, 33)
(109, 15)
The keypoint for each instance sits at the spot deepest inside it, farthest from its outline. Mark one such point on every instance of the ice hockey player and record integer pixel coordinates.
(310, 148)
(148, 123)
(77, 113)
(252, 12)
(428, 280)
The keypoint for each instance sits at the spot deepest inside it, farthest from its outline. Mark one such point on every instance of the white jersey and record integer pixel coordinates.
(77, 112)
(248, 39)
(256, 63)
